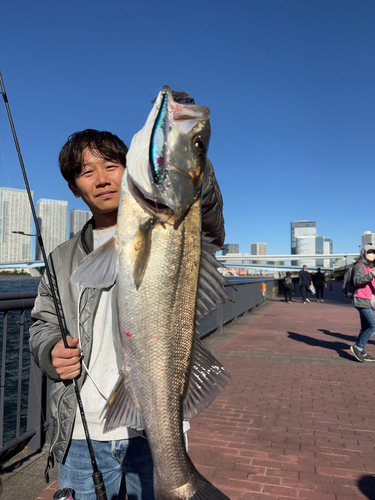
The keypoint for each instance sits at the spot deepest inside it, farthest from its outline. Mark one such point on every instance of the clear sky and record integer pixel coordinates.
(290, 85)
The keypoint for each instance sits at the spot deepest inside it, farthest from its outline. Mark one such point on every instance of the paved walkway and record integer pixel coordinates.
(296, 419)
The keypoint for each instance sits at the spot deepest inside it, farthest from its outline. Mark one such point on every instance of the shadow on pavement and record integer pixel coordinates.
(340, 347)
(367, 486)
(349, 338)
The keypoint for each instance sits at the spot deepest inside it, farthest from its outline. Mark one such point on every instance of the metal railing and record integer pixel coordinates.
(245, 295)
(21, 382)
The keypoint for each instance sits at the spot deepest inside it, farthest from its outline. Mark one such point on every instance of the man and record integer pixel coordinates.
(305, 281)
(319, 283)
(92, 163)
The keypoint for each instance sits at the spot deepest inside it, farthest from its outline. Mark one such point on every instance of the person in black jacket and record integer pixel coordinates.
(288, 287)
(305, 281)
(319, 283)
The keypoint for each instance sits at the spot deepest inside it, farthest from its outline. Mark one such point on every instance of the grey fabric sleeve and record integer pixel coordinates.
(359, 275)
(44, 332)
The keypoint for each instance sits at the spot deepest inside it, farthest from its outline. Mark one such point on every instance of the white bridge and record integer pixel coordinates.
(246, 260)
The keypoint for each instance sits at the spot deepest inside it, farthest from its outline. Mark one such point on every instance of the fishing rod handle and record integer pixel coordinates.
(64, 494)
(99, 486)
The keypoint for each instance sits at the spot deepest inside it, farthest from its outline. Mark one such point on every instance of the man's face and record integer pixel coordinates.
(98, 184)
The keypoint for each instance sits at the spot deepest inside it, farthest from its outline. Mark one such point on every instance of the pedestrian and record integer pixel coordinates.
(319, 280)
(288, 287)
(364, 282)
(93, 162)
(305, 281)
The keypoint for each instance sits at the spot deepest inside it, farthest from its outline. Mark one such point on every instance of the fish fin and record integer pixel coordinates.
(120, 409)
(99, 268)
(205, 376)
(203, 489)
(206, 490)
(142, 247)
(210, 287)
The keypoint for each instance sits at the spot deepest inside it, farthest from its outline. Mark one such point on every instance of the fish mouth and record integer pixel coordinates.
(155, 208)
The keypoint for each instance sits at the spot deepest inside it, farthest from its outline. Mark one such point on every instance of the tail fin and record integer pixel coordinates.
(207, 491)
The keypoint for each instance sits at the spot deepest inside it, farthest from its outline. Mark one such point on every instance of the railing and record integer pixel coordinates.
(29, 386)
(245, 295)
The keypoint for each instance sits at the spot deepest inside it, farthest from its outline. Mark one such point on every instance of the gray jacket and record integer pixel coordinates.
(45, 332)
(363, 281)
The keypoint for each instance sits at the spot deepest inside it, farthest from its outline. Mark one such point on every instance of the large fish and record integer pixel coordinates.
(166, 280)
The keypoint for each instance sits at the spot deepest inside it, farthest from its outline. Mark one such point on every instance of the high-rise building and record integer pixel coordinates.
(53, 219)
(15, 215)
(78, 219)
(304, 240)
(258, 249)
(305, 245)
(230, 248)
(300, 229)
(368, 238)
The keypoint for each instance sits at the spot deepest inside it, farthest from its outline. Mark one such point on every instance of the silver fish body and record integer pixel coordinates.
(166, 279)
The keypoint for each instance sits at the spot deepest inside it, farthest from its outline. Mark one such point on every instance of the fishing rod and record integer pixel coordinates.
(97, 475)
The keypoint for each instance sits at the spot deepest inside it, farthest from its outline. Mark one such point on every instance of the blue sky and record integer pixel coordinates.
(290, 85)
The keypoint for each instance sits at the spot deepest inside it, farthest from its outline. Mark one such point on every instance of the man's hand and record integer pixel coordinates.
(67, 362)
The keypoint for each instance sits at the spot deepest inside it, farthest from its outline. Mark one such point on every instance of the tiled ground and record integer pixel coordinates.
(296, 420)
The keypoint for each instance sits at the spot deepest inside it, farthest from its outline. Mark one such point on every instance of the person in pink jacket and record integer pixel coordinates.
(364, 281)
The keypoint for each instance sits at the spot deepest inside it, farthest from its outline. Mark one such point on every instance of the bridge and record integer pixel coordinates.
(239, 260)
(246, 260)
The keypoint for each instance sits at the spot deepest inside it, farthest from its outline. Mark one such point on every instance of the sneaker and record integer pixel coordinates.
(304, 302)
(368, 358)
(321, 300)
(358, 354)
(318, 300)
(307, 300)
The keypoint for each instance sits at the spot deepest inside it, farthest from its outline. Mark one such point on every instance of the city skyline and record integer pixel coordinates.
(77, 218)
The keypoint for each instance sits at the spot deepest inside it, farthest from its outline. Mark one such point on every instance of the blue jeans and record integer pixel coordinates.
(128, 457)
(367, 327)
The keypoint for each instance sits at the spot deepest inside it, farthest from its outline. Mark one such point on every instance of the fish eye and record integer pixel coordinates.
(199, 145)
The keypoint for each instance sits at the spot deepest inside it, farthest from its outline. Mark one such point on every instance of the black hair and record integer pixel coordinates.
(105, 144)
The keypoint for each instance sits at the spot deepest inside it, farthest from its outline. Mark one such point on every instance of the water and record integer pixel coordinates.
(16, 284)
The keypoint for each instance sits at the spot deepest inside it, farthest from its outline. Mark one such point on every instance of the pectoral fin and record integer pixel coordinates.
(99, 268)
(142, 247)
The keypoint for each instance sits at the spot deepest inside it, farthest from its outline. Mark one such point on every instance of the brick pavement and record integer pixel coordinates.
(295, 420)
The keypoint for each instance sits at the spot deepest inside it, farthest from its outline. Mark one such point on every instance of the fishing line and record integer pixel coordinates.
(52, 280)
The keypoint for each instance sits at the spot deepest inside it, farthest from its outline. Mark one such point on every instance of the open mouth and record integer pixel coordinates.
(153, 207)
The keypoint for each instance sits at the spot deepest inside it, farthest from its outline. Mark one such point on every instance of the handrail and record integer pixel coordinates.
(36, 423)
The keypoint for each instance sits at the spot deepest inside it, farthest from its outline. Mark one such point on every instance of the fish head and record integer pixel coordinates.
(166, 161)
